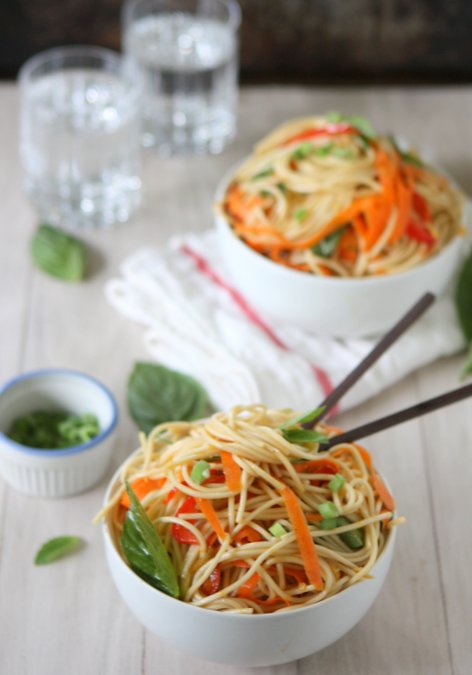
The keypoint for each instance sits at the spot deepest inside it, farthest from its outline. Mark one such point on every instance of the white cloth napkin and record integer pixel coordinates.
(194, 323)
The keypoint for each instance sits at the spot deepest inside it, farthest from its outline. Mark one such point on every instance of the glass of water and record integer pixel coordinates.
(80, 136)
(188, 53)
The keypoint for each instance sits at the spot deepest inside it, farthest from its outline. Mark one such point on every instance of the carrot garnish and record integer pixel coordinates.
(304, 538)
(382, 491)
(321, 465)
(142, 487)
(208, 510)
(232, 471)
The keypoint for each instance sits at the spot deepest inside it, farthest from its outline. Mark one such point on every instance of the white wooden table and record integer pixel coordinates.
(67, 618)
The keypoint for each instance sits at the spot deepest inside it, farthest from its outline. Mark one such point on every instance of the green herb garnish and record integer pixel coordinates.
(56, 548)
(353, 538)
(324, 150)
(362, 125)
(144, 550)
(342, 153)
(328, 510)
(303, 151)
(304, 436)
(277, 529)
(463, 298)
(53, 430)
(300, 214)
(334, 117)
(326, 247)
(200, 471)
(58, 254)
(263, 174)
(336, 483)
(157, 394)
(294, 433)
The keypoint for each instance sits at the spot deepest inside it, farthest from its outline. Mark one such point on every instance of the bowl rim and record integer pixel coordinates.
(458, 240)
(109, 541)
(74, 449)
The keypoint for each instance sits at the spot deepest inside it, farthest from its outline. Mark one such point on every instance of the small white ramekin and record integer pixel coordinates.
(56, 473)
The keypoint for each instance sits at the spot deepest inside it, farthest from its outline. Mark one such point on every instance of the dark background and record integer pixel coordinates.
(305, 41)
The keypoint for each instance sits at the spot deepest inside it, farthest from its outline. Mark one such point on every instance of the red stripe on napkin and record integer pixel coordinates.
(251, 314)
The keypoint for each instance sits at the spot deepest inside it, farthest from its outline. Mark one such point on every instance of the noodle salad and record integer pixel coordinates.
(251, 517)
(329, 196)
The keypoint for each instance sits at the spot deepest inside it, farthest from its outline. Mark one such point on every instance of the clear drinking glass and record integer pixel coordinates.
(80, 136)
(188, 53)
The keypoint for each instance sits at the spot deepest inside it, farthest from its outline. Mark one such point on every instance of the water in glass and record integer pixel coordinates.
(190, 67)
(80, 147)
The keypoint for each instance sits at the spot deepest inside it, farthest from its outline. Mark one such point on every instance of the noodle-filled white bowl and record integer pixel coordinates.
(328, 306)
(243, 640)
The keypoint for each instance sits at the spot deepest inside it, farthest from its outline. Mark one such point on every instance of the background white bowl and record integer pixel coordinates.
(329, 306)
(254, 640)
(56, 473)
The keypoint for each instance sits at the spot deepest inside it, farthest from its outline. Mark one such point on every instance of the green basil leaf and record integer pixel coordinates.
(342, 153)
(144, 550)
(56, 548)
(58, 254)
(411, 158)
(334, 117)
(467, 370)
(303, 418)
(304, 436)
(362, 125)
(463, 298)
(324, 150)
(327, 246)
(157, 394)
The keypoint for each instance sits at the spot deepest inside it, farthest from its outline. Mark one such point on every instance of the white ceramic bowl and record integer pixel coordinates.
(257, 640)
(328, 306)
(56, 473)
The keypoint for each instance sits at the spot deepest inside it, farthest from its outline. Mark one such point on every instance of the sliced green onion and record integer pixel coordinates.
(353, 538)
(324, 150)
(277, 529)
(328, 510)
(328, 524)
(303, 150)
(263, 174)
(200, 471)
(300, 214)
(342, 153)
(336, 483)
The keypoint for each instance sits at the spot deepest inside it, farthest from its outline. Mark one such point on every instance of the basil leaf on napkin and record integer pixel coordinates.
(144, 550)
(157, 394)
(58, 254)
(56, 548)
(464, 308)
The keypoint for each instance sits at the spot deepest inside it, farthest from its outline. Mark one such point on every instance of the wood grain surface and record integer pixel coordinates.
(67, 618)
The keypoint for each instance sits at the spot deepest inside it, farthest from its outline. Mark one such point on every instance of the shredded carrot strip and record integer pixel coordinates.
(245, 590)
(206, 507)
(314, 517)
(141, 487)
(321, 465)
(304, 538)
(381, 489)
(232, 471)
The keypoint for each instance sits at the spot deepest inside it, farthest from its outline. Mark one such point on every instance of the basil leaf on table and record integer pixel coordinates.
(144, 550)
(58, 254)
(464, 307)
(157, 394)
(56, 548)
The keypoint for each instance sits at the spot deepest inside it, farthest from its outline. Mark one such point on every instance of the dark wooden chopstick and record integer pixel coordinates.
(380, 348)
(401, 416)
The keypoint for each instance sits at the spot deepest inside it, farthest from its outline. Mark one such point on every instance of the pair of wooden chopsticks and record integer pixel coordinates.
(395, 418)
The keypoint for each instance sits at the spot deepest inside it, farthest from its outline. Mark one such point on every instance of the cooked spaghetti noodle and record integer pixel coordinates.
(271, 525)
(319, 195)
